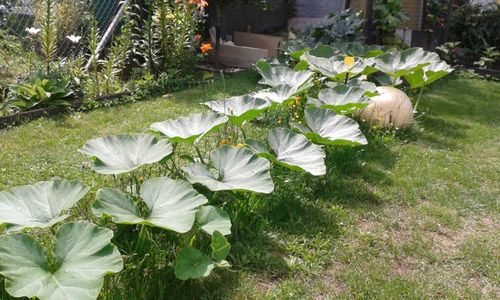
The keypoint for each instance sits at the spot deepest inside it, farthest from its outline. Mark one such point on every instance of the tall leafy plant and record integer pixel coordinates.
(388, 17)
(94, 53)
(48, 34)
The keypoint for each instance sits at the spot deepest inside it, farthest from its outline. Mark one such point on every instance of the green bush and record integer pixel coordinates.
(476, 28)
(42, 92)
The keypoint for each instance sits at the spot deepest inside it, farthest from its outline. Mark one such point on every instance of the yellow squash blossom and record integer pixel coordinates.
(349, 60)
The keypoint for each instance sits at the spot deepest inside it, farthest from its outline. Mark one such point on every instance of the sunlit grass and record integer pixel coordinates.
(409, 216)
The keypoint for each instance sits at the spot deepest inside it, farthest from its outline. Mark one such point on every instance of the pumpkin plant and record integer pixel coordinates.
(73, 266)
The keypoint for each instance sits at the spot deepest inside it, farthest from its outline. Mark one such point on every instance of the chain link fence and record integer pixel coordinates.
(73, 17)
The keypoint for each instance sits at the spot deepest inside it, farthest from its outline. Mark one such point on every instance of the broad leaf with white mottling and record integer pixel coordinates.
(428, 74)
(341, 99)
(326, 127)
(83, 255)
(296, 152)
(291, 150)
(239, 109)
(119, 154)
(234, 169)
(280, 95)
(281, 75)
(368, 87)
(400, 63)
(190, 129)
(171, 204)
(211, 219)
(39, 205)
(334, 67)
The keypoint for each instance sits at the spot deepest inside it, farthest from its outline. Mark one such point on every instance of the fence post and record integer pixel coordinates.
(369, 22)
(110, 30)
(448, 21)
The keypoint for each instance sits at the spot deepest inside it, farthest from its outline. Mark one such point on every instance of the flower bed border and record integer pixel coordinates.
(17, 118)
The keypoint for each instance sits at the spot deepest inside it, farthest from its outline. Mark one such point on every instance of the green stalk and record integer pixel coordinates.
(243, 133)
(418, 99)
(199, 154)
(142, 240)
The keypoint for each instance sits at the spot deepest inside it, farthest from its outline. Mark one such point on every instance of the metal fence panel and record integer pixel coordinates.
(72, 18)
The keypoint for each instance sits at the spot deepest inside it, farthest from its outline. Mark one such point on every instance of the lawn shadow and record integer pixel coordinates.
(439, 132)
(461, 99)
(451, 108)
(301, 203)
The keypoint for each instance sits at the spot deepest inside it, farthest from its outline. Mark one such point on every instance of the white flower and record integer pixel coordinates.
(74, 38)
(33, 31)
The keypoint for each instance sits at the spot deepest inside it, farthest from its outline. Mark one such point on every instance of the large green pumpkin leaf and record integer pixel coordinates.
(296, 152)
(83, 253)
(359, 49)
(328, 128)
(171, 204)
(281, 75)
(400, 63)
(192, 264)
(334, 67)
(190, 129)
(39, 205)
(295, 48)
(292, 151)
(428, 74)
(119, 154)
(211, 219)
(342, 99)
(369, 88)
(220, 246)
(234, 169)
(281, 94)
(239, 109)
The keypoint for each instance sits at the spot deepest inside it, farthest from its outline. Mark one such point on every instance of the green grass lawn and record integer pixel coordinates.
(413, 215)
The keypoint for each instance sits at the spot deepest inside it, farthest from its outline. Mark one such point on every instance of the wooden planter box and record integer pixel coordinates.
(246, 49)
(260, 41)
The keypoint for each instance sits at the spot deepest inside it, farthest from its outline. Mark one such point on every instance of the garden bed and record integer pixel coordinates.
(19, 117)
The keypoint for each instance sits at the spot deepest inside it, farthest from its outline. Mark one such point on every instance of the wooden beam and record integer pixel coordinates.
(347, 4)
(369, 22)
(109, 31)
(424, 15)
(448, 20)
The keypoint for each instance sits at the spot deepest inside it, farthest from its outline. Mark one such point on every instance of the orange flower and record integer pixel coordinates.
(206, 47)
(200, 3)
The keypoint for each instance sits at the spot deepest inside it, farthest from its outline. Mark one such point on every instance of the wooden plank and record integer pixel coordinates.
(301, 23)
(239, 56)
(262, 41)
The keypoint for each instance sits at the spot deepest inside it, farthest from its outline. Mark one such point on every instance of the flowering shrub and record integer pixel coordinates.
(168, 38)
